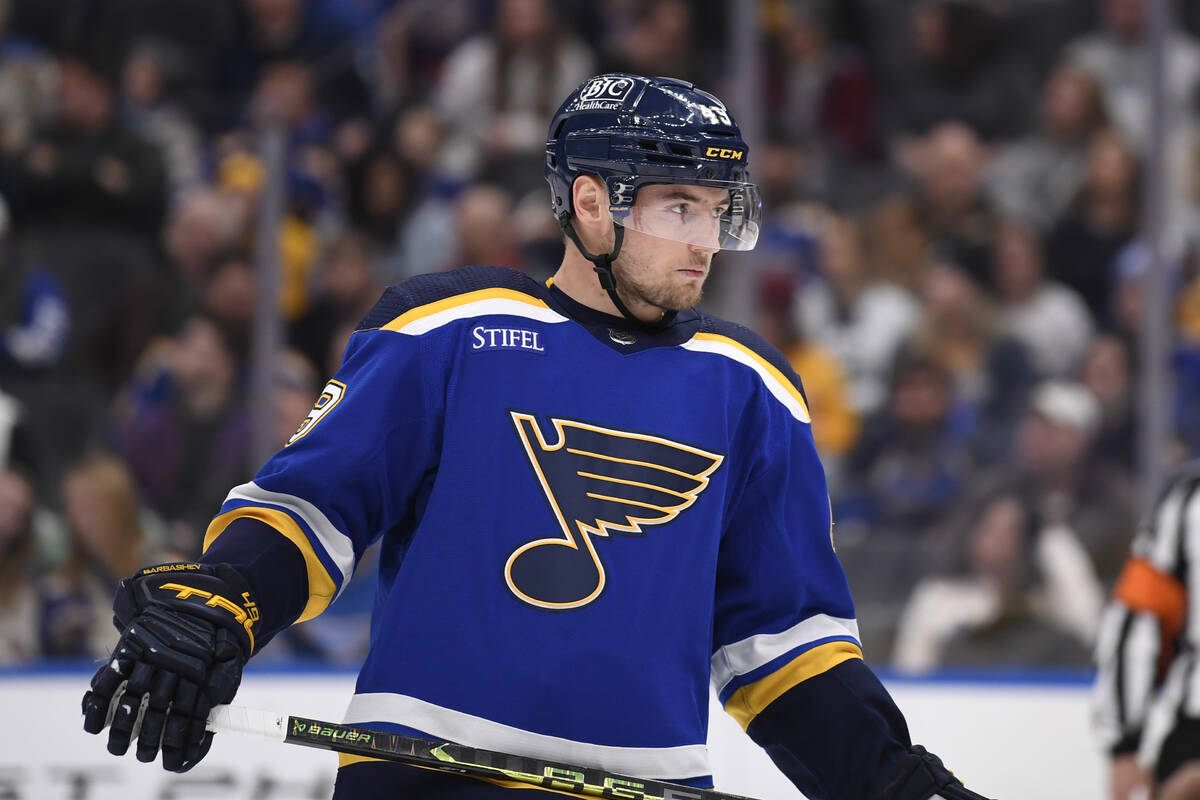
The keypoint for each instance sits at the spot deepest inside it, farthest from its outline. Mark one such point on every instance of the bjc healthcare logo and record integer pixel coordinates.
(606, 89)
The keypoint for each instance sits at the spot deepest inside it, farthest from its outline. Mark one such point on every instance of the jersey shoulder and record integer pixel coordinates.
(715, 328)
(424, 290)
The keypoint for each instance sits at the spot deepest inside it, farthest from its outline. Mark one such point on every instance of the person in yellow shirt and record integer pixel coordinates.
(835, 422)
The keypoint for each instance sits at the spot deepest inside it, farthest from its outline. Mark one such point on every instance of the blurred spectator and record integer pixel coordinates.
(1049, 319)
(285, 93)
(193, 32)
(1118, 56)
(82, 169)
(147, 110)
(835, 424)
(278, 31)
(956, 68)
(86, 199)
(201, 226)
(413, 39)
(1187, 304)
(27, 85)
(538, 237)
(1108, 374)
(859, 320)
(346, 290)
(499, 89)
(483, 228)
(19, 600)
(821, 93)
(1102, 219)
(296, 388)
(1127, 297)
(34, 315)
(913, 459)
(1036, 178)
(991, 372)
(107, 543)
(1186, 359)
(1054, 461)
(897, 243)
(380, 195)
(427, 236)
(1023, 594)
(660, 40)
(240, 178)
(949, 165)
(231, 298)
(390, 74)
(184, 428)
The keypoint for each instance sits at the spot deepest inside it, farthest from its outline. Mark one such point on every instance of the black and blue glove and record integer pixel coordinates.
(186, 632)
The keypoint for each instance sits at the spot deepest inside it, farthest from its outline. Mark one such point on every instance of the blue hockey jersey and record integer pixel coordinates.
(583, 525)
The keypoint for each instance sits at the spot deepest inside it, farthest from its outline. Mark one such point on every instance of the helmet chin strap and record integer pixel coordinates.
(603, 267)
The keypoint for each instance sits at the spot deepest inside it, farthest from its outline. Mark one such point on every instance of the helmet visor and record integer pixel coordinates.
(716, 215)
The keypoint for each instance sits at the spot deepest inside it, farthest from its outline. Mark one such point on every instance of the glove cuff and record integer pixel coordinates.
(214, 592)
(921, 776)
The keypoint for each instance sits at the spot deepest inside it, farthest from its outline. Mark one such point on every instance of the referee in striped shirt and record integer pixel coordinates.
(1146, 703)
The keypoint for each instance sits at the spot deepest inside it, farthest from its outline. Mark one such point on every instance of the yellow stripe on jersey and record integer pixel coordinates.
(321, 587)
(429, 309)
(747, 702)
(764, 367)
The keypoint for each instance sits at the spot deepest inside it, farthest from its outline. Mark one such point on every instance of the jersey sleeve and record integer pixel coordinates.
(787, 662)
(353, 471)
(1141, 627)
(784, 611)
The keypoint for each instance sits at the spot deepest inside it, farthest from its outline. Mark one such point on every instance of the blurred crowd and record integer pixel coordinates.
(951, 258)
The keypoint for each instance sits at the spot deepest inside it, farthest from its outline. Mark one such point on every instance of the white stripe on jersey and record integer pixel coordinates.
(338, 546)
(658, 763)
(1164, 712)
(756, 651)
(481, 308)
(1141, 660)
(1191, 634)
(1163, 548)
(781, 393)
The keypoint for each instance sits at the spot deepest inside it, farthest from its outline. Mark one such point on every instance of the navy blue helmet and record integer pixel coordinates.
(630, 131)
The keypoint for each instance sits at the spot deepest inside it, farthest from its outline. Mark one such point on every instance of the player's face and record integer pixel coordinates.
(660, 270)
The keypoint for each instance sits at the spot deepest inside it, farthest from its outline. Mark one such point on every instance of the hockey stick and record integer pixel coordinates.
(448, 756)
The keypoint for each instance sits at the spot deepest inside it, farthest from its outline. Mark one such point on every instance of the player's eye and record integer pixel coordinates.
(682, 210)
(719, 211)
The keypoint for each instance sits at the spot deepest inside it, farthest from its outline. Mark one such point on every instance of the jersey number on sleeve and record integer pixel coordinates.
(330, 396)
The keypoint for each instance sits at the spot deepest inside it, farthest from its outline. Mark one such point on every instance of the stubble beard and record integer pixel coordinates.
(633, 286)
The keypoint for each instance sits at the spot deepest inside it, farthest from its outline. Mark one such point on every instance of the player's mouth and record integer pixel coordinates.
(694, 272)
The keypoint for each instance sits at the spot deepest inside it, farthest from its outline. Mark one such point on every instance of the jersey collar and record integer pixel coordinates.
(619, 333)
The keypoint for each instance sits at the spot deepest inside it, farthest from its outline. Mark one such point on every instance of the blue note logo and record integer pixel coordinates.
(597, 481)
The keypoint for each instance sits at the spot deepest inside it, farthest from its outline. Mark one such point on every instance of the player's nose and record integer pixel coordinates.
(708, 241)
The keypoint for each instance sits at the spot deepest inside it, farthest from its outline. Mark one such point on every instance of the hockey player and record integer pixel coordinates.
(593, 501)
(1146, 704)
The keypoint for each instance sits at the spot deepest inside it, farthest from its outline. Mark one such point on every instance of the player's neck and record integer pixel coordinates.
(577, 279)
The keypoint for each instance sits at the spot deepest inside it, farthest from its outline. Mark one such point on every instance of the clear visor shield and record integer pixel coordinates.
(715, 216)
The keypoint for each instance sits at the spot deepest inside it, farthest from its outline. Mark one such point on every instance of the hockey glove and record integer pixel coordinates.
(186, 632)
(922, 776)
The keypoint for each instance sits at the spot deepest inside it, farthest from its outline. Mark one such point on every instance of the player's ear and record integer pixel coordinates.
(589, 199)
